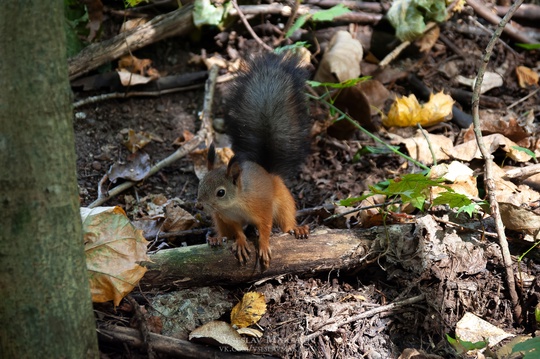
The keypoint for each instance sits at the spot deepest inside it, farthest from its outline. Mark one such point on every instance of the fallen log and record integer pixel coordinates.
(324, 251)
(178, 22)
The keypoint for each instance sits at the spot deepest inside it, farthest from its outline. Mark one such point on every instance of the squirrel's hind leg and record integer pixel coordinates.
(285, 212)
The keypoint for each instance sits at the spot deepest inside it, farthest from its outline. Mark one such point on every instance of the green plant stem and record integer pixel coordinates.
(375, 138)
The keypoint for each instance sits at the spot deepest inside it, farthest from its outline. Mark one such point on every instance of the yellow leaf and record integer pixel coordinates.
(114, 249)
(403, 112)
(406, 111)
(436, 110)
(249, 310)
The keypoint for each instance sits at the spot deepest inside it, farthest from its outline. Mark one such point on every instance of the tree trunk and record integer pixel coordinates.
(45, 305)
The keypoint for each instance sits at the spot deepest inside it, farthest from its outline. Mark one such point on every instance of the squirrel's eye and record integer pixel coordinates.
(220, 192)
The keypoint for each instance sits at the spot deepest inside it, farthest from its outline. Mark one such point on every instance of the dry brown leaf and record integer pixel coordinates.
(461, 179)
(426, 42)
(219, 333)
(376, 94)
(137, 140)
(474, 329)
(249, 310)
(418, 146)
(469, 150)
(491, 80)
(133, 23)
(501, 122)
(177, 218)
(134, 169)
(186, 136)
(114, 249)
(341, 60)
(135, 71)
(526, 76)
(518, 218)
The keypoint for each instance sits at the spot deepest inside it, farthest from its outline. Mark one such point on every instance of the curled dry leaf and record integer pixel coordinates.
(137, 140)
(177, 218)
(133, 23)
(473, 329)
(526, 76)
(354, 103)
(460, 177)
(419, 148)
(407, 111)
(491, 80)
(114, 250)
(249, 310)
(341, 61)
(518, 218)
(219, 333)
(469, 150)
(426, 42)
(134, 169)
(135, 71)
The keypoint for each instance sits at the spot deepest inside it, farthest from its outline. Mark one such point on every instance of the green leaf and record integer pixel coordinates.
(529, 46)
(297, 24)
(132, 3)
(204, 13)
(413, 188)
(470, 209)
(537, 314)
(530, 347)
(526, 150)
(463, 346)
(293, 47)
(409, 17)
(339, 85)
(348, 202)
(452, 199)
(330, 14)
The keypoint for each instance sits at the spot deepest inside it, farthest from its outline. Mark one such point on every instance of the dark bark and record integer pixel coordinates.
(203, 265)
(45, 306)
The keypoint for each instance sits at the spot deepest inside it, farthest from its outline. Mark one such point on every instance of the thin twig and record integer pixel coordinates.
(108, 96)
(523, 99)
(248, 27)
(509, 30)
(489, 165)
(366, 314)
(189, 146)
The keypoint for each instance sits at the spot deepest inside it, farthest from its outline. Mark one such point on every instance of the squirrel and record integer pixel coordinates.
(267, 121)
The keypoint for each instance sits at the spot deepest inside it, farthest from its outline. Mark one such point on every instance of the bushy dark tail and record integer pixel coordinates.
(266, 113)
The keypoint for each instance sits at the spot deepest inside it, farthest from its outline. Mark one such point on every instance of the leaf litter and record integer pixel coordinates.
(445, 255)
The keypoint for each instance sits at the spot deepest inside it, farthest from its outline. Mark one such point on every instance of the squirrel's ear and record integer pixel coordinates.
(211, 159)
(233, 170)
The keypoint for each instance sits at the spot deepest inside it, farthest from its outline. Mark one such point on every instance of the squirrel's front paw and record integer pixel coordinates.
(241, 251)
(214, 241)
(263, 257)
(300, 232)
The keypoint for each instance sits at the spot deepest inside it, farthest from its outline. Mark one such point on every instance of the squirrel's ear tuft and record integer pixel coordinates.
(211, 159)
(233, 169)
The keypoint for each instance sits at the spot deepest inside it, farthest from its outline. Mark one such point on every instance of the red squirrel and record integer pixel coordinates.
(267, 121)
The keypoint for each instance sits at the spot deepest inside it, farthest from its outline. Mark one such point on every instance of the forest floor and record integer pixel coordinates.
(447, 264)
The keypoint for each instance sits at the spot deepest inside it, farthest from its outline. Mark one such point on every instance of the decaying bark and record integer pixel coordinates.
(201, 265)
(178, 22)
